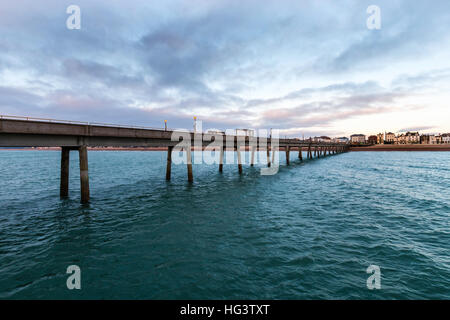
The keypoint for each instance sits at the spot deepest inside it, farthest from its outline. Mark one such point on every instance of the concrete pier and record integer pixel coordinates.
(68, 135)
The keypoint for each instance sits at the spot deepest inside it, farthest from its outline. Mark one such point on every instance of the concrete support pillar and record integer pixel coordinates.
(287, 154)
(221, 159)
(273, 154)
(300, 156)
(252, 161)
(84, 174)
(309, 152)
(268, 156)
(64, 187)
(169, 162)
(189, 164)
(238, 151)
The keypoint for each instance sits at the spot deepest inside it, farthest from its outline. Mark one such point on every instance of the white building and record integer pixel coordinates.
(435, 139)
(400, 139)
(358, 138)
(446, 138)
(412, 137)
(390, 137)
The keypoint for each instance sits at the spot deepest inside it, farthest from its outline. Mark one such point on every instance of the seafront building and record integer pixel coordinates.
(400, 139)
(389, 137)
(380, 138)
(435, 139)
(357, 138)
(425, 139)
(372, 140)
(446, 138)
(410, 137)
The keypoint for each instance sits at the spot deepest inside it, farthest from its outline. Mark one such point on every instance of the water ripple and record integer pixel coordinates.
(309, 232)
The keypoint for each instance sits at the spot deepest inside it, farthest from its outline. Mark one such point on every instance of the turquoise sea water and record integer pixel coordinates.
(308, 232)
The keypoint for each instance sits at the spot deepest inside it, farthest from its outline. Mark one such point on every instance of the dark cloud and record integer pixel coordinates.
(109, 75)
(341, 88)
(14, 100)
(418, 128)
(322, 113)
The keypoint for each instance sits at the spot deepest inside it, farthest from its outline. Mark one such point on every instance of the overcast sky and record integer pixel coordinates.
(307, 67)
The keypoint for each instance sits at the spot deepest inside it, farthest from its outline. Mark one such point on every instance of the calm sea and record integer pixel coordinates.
(310, 231)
